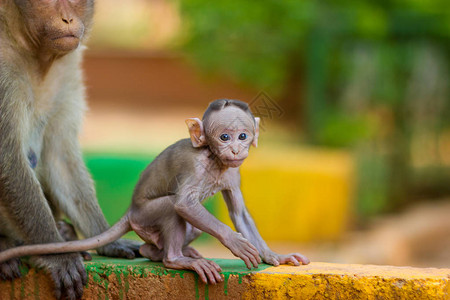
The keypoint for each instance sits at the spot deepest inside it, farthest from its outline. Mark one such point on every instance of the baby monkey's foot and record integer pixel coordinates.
(191, 252)
(276, 259)
(208, 270)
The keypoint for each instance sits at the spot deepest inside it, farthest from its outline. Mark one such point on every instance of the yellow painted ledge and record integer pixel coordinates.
(142, 279)
(338, 281)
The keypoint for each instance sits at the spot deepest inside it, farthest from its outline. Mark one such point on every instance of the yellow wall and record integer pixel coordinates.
(297, 194)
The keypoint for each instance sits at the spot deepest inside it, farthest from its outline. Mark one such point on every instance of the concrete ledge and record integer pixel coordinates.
(142, 279)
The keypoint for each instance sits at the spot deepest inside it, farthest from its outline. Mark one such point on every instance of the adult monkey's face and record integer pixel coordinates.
(56, 26)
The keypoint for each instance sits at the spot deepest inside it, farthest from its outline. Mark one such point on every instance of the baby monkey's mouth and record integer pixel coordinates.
(66, 36)
(233, 162)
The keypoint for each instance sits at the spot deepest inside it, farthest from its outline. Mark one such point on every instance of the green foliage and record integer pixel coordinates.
(247, 40)
(343, 130)
(254, 41)
(373, 182)
(371, 71)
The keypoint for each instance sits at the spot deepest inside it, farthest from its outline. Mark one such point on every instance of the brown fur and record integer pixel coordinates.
(166, 210)
(42, 174)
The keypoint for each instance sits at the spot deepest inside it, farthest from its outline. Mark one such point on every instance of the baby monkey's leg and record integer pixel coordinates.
(174, 240)
(191, 234)
(152, 252)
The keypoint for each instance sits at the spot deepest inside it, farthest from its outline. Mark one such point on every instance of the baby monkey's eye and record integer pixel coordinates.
(242, 136)
(224, 137)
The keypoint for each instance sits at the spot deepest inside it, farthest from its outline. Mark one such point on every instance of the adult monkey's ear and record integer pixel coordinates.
(255, 138)
(196, 132)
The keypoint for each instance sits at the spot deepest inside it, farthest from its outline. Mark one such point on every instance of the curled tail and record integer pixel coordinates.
(112, 234)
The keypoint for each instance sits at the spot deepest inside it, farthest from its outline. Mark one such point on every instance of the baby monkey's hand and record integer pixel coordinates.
(243, 249)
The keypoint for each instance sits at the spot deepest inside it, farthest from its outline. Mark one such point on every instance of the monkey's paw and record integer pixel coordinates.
(67, 272)
(10, 269)
(243, 249)
(207, 270)
(275, 259)
(121, 248)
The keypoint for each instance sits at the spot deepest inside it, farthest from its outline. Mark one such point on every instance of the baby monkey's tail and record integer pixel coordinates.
(112, 234)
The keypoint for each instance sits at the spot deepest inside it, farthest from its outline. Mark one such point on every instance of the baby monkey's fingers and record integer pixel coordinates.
(214, 265)
(243, 249)
(301, 258)
(207, 272)
(249, 259)
(295, 259)
(253, 254)
(247, 262)
(292, 260)
(199, 270)
(254, 259)
(217, 276)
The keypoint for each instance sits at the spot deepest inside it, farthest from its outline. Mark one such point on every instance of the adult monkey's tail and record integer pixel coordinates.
(112, 234)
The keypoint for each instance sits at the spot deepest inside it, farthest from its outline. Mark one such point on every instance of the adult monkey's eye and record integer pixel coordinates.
(242, 136)
(224, 137)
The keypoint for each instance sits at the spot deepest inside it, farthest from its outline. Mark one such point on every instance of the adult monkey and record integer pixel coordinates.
(42, 174)
(166, 210)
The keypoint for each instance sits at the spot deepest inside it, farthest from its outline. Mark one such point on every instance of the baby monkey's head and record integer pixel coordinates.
(228, 128)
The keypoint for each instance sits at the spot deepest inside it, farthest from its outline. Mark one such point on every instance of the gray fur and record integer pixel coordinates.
(41, 109)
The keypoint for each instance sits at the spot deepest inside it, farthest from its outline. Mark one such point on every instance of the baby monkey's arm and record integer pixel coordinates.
(190, 208)
(244, 224)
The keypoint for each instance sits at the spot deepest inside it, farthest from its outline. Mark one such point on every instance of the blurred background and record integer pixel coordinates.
(353, 163)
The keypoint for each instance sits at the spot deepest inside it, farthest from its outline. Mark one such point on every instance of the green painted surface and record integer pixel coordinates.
(102, 267)
(142, 266)
(115, 177)
(116, 277)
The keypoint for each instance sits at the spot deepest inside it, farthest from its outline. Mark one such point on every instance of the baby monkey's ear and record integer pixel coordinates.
(196, 132)
(255, 138)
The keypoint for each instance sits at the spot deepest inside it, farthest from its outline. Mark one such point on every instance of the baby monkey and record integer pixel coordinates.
(166, 209)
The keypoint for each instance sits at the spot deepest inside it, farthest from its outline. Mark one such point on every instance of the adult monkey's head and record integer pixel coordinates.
(55, 27)
(228, 128)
